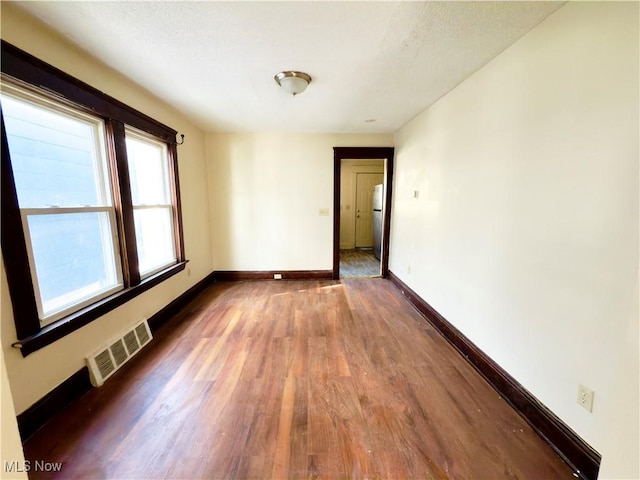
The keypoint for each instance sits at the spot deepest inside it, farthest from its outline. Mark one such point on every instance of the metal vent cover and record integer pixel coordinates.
(131, 341)
(105, 364)
(143, 334)
(119, 353)
(106, 361)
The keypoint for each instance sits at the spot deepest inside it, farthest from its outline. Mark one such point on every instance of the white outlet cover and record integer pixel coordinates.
(585, 398)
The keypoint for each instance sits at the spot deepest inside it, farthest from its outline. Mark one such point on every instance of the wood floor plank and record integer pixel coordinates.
(283, 449)
(295, 379)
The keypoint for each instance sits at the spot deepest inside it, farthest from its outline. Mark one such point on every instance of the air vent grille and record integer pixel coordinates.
(104, 363)
(107, 360)
(131, 341)
(119, 353)
(143, 334)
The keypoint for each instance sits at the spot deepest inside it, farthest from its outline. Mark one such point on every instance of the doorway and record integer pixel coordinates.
(357, 170)
(358, 181)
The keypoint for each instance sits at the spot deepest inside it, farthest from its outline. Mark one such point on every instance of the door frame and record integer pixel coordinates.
(362, 153)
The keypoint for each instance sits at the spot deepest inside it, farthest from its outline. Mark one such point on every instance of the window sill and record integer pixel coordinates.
(63, 327)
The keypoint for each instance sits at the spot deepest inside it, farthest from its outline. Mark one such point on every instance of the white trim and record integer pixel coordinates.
(158, 269)
(57, 315)
(63, 210)
(150, 207)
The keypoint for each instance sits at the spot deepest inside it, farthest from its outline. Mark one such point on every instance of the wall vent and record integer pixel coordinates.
(104, 363)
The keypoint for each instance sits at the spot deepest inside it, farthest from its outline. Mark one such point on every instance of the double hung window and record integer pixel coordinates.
(58, 158)
(90, 200)
(151, 200)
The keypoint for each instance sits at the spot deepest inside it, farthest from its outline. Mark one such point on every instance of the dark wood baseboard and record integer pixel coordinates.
(44, 409)
(239, 275)
(79, 383)
(173, 307)
(566, 443)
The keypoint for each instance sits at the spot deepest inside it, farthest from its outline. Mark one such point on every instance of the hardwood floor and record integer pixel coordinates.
(295, 379)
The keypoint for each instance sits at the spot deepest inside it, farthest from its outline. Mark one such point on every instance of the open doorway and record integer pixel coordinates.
(362, 204)
(361, 186)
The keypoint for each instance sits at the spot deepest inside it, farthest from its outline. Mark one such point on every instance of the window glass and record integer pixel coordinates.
(151, 198)
(154, 236)
(54, 156)
(73, 258)
(147, 171)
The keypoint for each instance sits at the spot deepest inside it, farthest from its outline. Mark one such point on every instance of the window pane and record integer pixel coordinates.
(54, 156)
(147, 171)
(154, 236)
(73, 256)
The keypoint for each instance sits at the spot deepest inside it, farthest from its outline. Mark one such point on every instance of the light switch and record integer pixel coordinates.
(416, 193)
(324, 212)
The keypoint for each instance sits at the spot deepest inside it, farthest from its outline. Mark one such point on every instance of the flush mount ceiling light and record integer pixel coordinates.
(293, 82)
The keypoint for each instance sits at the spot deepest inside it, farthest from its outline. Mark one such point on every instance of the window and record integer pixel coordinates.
(59, 166)
(151, 199)
(90, 200)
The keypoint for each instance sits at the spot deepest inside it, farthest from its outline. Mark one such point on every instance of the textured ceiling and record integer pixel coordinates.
(215, 61)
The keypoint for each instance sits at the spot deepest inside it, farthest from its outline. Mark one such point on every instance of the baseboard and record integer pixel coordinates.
(32, 419)
(566, 443)
(240, 275)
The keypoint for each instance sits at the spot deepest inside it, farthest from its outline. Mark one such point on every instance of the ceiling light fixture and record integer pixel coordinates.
(293, 82)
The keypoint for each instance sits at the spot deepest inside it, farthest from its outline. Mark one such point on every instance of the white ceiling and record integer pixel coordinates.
(215, 61)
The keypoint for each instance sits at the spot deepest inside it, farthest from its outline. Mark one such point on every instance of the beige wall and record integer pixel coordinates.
(348, 175)
(10, 444)
(34, 376)
(266, 191)
(525, 232)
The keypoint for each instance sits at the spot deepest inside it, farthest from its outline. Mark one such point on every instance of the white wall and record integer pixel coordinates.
(266, 191)
(348, 176)
(525, 233)
(34, 376)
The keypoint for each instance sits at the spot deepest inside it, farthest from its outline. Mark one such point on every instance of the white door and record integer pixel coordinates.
(364, 207)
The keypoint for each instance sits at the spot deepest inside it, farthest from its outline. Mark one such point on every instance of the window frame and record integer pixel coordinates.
(27, 72)
(104, 205)
(142, 137)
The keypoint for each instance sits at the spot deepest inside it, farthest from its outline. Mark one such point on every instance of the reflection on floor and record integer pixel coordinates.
(358, 263)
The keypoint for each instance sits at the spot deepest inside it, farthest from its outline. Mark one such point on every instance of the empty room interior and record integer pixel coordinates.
(320, 240)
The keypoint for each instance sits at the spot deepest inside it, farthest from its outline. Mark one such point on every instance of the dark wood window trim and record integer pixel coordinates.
(32, 73)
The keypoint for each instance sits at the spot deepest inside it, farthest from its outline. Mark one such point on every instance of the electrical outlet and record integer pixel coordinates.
(277, 276)
(585, 398)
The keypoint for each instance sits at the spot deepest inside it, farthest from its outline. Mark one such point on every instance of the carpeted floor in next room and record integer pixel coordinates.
(358, 263)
